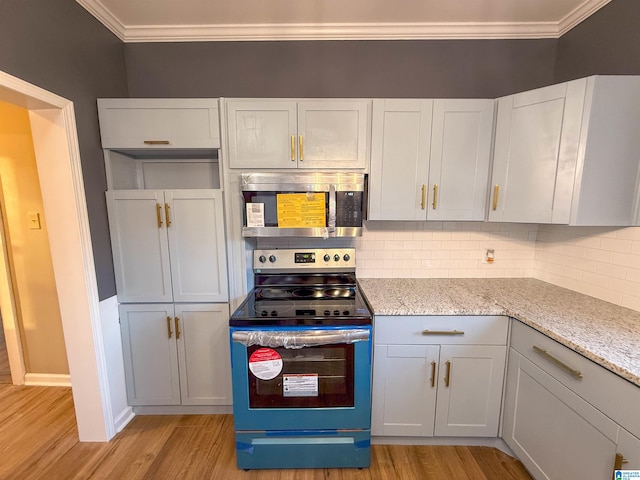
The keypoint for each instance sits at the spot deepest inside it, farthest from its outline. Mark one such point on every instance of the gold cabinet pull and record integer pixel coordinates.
(617, 464)
(433, 374)
(301, 147)
(166, 214)
(177, 328)
(159, 214)
(442, 332)
(495, 196)
(293, 148)
(435, 196)
(571, 371)
(156, 142)
(424, 196)
(169, 332)
(447, 378)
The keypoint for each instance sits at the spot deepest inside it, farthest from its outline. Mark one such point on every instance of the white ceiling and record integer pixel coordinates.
(233, 20)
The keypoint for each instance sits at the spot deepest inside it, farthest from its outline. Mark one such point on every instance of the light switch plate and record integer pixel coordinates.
(34, 221)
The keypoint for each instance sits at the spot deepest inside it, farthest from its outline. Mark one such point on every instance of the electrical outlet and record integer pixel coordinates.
(489, 256)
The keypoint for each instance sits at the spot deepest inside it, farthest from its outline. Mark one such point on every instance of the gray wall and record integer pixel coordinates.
(60, 47)
(608, 42)
(487, 68)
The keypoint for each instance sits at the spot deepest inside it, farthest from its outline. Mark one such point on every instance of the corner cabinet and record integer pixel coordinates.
(568, 153)
(281, 133)
(430, 159)
(563, 413)
(176, 354)
(438, 376)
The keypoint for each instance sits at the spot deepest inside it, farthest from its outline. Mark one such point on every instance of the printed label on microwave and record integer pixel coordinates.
(255, 214)
(265, 363)
(301, 210)
(300, 385)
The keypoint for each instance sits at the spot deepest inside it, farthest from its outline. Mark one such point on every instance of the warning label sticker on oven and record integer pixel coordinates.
(300, 385)
(265, 363)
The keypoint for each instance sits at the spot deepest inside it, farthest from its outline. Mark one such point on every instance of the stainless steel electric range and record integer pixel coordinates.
(301, 356)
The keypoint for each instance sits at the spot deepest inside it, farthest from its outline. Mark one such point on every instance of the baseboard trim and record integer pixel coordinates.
(47, 379)
(123, 419)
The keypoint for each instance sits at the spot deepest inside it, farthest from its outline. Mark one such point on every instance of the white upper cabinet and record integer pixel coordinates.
(430, 159)
(568, 153)
(168, 246)
(266, 133)
(150, 123)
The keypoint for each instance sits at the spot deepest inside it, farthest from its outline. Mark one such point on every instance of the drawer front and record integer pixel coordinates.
(436, 330)
(611, 394)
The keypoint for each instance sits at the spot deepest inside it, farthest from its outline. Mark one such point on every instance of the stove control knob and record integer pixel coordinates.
(263, 313)
(346, 257)
(336, 258)
(274, 313)
(345, 313)
(327, 313)
(327, 257)
(262, 259)
(272, 258)
(336, 312)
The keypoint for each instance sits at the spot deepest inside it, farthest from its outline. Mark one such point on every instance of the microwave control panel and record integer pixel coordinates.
(349, 209)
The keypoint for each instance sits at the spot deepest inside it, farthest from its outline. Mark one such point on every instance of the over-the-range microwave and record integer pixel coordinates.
(303, 204)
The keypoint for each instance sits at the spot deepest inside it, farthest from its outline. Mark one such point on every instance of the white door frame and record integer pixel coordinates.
(55, 140)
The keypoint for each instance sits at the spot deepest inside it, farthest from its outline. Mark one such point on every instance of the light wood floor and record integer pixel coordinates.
(38, 440)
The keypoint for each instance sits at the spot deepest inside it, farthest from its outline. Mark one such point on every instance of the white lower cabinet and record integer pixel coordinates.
(431, 378)
(176, 354)
(550, 421)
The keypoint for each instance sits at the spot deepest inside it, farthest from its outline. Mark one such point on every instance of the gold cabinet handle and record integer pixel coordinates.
(433, 374)
(169, 332)
(156, 142)
(571, 371)
(447, 378)
(617, 464)
(495, 196)
(293, 148)
(159, 214)
(177, 328)
(424, 196)
(442, 332)
(435, 196)
(166, 214)
(301, 147)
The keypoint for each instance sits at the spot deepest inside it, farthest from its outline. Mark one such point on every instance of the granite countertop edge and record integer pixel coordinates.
(563, 315)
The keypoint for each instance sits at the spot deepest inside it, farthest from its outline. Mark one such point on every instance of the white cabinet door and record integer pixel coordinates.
(333, 133)
(470, 390)
(139, 244)
(159, 123)
(628, 451)
(535, 154)
(195, 228)
(401, 133)
(168, 246)
(554, 432)
(262, 133)
(461, 140)
(404, 386)
(150, 355)
(203, 353)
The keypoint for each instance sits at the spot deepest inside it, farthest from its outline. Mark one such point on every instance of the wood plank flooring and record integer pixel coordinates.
(38, 440)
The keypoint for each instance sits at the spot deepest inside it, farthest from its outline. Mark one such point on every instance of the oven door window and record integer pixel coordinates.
(311, 377)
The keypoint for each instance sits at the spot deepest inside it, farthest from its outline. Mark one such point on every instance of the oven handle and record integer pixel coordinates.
(299, 339)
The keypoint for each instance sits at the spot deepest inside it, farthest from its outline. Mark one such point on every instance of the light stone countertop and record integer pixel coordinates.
(603, 332)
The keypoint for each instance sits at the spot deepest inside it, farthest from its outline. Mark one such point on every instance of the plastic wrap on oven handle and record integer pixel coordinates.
(300, 339)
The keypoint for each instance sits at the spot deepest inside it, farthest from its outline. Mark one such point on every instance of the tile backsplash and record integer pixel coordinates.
(445, 249)
(602, 262)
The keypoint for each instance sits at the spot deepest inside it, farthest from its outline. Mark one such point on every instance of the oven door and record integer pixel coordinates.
(301, 378)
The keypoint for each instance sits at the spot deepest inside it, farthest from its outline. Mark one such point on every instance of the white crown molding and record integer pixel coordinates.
(585, 10)
(338, 31)
(99, 11)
